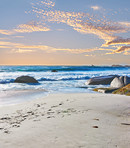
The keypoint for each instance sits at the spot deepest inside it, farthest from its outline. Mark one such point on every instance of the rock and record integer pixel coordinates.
(123, 91)
(117, 83)
(122, 78)
(105, 90)
(117, 65)
(104, 80)
(126, 80)
(54, 71)
(95, 126)
(120, 65)
(102, 91)
(120, 82)
(25, 79)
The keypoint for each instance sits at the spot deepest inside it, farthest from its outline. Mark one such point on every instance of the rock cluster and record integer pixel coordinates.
(118, 85)
(120, 82)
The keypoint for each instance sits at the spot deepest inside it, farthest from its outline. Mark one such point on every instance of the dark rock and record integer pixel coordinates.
(117, 65)
(125, 123)
(104, 80)
(120, 65)
(38, 105)
(25, 79)
(95, 126)
(117, 83)
(54, 71)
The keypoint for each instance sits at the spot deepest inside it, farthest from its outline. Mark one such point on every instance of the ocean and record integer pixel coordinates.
(66, 79)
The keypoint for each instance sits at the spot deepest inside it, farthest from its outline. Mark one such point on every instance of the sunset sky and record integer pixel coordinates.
(64, 32)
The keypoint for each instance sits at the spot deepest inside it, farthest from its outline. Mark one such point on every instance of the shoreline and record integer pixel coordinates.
(67, 120)
(15, 97)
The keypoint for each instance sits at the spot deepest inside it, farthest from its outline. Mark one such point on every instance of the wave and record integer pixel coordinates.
(64, 79)
(48, 79)
(58, 68)
(6, 81)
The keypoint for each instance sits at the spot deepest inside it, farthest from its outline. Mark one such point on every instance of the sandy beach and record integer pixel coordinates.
(79, 120)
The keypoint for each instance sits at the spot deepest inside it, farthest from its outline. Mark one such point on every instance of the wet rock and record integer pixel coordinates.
(38, 105)
(104, 80)
(25, 79)
(5, 118)
(54, 71)
(95, 126)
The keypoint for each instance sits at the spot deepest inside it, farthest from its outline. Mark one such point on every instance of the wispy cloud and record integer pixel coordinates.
(48, 3)
(31, 27)
(87, 24)
(83, 23)
(6, 32)
(95, 7)
(22, 51)
(120, 49)
(127, 24)
(119, 40)
(22, 48)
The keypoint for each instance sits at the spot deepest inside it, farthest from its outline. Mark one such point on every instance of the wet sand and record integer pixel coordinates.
(79, 120)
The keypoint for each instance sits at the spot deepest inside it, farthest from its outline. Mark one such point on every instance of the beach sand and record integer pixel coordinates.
(79, 120)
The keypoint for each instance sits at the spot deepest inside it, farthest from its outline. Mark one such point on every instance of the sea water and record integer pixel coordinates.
(66, 78)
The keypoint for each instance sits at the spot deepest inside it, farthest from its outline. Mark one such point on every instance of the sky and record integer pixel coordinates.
(64, 32)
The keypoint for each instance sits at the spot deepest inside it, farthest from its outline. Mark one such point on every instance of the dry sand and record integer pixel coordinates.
(67, 121)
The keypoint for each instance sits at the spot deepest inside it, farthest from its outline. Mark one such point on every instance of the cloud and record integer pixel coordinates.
(22, 48)
(83, 23)
(121, 49)
(18, 36)
(21, 51)
(127, 24)
(90, 55)
(119, 40)
(95, 7)
(9, 44)
(31, 27)
(6, 32)
(48, 3)
(89, 24)
(127, 53)
(78, 21)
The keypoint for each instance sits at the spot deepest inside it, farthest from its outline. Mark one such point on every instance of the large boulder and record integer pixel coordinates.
(117, 82)
(104, 80)
(25, 79)
(120, 82)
